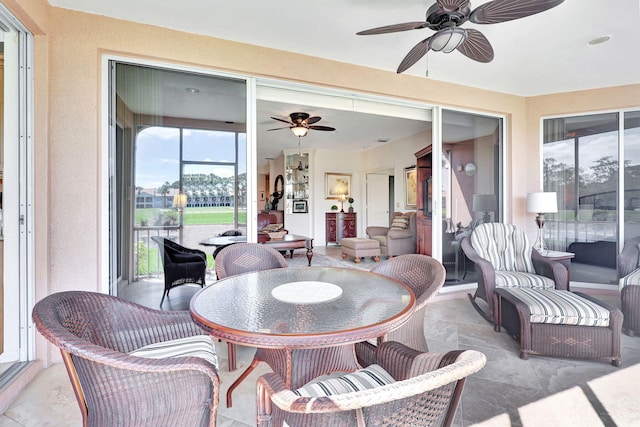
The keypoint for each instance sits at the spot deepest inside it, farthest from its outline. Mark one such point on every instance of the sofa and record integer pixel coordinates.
(399, 238)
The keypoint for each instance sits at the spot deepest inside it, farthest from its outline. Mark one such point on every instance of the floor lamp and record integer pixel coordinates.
(541, 203)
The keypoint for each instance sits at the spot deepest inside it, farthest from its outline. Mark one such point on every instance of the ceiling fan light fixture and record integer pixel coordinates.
(447, 40)
(299, 131)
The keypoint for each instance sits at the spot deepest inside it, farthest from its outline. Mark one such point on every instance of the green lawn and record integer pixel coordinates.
(192, 216)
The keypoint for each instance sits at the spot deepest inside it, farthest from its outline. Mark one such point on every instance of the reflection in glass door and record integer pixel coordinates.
(631, 175)
(471, 184)
(181, 170)
(580, 163)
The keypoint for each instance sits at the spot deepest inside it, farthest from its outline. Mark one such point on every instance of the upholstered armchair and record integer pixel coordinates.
(410, 388)
(505, 258)
(130, 365)
(398, 239)
(629, 280)
(181, 265)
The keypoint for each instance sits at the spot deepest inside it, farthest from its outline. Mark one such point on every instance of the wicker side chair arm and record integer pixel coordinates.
(627, 261)
(467, 363)
(551, 269)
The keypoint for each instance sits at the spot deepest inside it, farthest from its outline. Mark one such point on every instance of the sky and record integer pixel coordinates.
(158, 153)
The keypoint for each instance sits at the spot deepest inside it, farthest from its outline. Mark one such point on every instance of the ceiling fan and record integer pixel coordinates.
(300, 123)
(446, 16)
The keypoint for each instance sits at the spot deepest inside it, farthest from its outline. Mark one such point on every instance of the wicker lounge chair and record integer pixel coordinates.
(181, 265)
(425, 276)
(95, 333)
(506, 259)
(426, 392)
(243, 258)
(629, 280)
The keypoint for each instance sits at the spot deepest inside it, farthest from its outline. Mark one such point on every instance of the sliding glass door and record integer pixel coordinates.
(581, 165)
(181, 163)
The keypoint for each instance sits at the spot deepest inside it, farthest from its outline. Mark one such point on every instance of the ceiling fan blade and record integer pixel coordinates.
(451, 5)
(282, 120)
(286, 127)
(414, 55)
(506, 10)
(394, 28)
(318, 127)
(312, 120)
(476, 46)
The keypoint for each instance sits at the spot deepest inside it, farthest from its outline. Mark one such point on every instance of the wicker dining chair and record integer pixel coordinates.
(241, 258)
(425, 276)
(96, 334)
(181, 265)
(426, 392)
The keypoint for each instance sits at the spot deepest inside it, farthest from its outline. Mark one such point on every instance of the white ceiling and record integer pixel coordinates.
(539, 54)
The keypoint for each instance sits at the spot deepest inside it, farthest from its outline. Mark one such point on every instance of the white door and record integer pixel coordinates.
(377, 199)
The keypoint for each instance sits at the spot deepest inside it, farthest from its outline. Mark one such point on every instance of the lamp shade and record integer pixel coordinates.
(484, 203)
(343, 197)
(180, 200)
(542, 202)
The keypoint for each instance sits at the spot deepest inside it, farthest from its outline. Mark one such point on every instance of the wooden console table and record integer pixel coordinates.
(339, 225)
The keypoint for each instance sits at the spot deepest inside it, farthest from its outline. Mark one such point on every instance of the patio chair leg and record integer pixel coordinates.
(480, 311)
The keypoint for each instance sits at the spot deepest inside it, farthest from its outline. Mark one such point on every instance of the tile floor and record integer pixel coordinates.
(508, 391)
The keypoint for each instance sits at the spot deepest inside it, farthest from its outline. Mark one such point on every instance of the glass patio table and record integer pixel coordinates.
(304, 321)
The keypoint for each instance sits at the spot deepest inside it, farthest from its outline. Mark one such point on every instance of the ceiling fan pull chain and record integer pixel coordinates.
(426, 60)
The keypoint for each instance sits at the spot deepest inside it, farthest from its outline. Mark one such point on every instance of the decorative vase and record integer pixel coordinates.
(350, 209)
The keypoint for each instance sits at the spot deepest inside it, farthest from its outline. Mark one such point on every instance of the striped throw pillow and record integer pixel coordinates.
(197, 345)
(400, 223)
(364, 379)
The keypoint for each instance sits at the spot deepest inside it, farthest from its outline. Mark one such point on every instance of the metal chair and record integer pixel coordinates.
(243, 258)
(426, 392)
(425, 276)
(181, 265)
(95, 333)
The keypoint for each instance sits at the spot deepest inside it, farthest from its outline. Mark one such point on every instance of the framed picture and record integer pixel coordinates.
(410, 187)
(336, 184)
(299, 206)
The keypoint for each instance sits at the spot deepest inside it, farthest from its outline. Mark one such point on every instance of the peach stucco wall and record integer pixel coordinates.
(69, 48)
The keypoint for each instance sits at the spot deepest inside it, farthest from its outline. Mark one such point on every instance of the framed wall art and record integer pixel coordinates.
(410, 187)
(336, 184)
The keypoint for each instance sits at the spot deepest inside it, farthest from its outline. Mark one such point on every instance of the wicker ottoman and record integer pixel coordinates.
(559, 323)
(358, 247)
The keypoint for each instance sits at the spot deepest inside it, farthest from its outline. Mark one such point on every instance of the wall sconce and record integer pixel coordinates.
(541, 203)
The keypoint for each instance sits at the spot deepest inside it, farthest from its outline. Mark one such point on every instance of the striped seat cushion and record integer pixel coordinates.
(364, 379)
(514, 279)
(561, 307)
(197, 345)
(632, 278)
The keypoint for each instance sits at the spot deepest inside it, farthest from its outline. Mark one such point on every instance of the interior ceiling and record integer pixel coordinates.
(539, 54)
(183, 95)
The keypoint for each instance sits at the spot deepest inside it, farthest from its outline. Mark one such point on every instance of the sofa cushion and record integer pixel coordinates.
(364, 379)
(197, 345)
(561, 307)
(272, 228)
